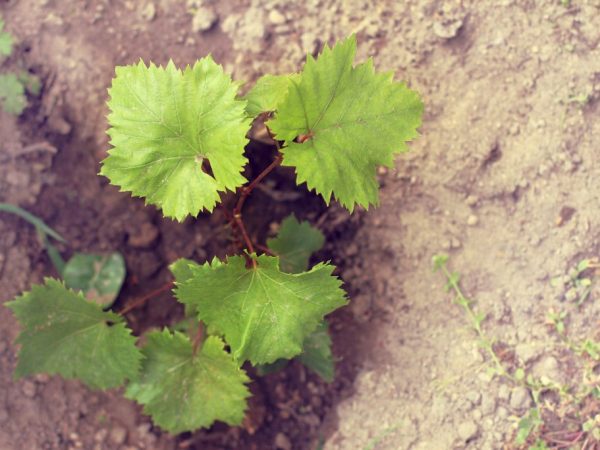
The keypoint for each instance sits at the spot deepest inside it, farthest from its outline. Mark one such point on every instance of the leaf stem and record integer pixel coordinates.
(198, 338)
(246, 191)
(240, 224)
(144, 298)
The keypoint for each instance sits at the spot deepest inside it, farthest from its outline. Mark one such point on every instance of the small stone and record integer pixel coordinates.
(503, 392)
(308, 41)
(447, 29)
(204, 19)
(59, 124)
(467, 430)
(118, 435)
(282, 442)
(101, 435)
(474, 397)
(455, 243)
(144, 236)
(148, 12)
(472, 200)
(525, 351)
(29, 389)
(472, 220)
(549, 368)
(276, 18)
(42, 378)
(501, 414)
(520, 398)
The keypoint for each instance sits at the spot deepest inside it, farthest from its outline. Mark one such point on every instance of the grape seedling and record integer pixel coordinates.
(179, 138)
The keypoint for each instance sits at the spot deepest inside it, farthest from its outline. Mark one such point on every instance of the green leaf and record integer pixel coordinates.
(32, 83)
(264, 314)
(348, 120)
(317, 355)
(65, 334)
(295, 243)
(100, 277)
(266, 369)
(6, 44)
(6, 40)
(519, 374)
(183, 391)
(12, 94)
(165, 124)
(439, 261)
(539, 445)
(591, 348)
(268, 92)
(527, 425)
(583, 265)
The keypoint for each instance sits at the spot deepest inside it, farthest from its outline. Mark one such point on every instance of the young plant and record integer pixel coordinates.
(578, 402)
(98, 276)
(14, 86)
(178, 140)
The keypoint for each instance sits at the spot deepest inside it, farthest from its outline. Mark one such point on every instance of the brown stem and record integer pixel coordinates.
(143, 299)
(240, 223)
(246, 191)
(198, 338)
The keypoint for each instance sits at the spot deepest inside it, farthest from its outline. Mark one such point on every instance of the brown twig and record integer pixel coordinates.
(198, 337)
(143, 299)
(245, 191)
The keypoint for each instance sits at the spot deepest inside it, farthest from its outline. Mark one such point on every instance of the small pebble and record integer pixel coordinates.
(474, 397)
(276, 18)
(472, 220)
(203, 20)
(503, 392)
(447, 29)
(472, 200)
(149, 12)
(144, 236)
(101, 435)
(29, 388)
(282, 442)
(467, 430)
(520, 399)
(118, 435)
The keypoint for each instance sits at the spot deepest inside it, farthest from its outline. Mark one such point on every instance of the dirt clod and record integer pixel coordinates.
(467, 430)
(282, 442)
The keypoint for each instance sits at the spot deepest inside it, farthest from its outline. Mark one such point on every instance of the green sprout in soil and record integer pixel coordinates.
(179, 141)
(572, 423)
(14, 86)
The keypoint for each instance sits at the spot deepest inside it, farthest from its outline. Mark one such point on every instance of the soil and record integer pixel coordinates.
(503, 179)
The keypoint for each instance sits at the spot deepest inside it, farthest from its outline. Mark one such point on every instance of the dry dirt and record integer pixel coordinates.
(504, 179)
